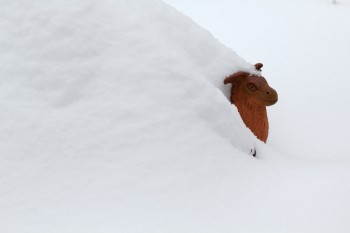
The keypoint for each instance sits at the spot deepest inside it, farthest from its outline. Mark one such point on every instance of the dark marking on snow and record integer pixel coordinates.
(253, 152)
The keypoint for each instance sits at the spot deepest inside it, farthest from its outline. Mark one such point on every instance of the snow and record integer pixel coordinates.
(115, 118)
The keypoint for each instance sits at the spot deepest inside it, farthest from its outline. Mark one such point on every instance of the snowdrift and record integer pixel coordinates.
(102, 101)
(114, 118)
(109, 69)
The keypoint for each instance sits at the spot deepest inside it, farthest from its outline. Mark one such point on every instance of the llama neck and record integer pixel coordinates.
(254, 117)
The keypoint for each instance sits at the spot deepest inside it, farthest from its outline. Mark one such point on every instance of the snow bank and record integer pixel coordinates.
(110, 112)
(108, 61)
(114, 119)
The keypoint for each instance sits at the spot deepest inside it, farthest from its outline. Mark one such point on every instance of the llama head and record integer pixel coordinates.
(251, 94)
(252, 88)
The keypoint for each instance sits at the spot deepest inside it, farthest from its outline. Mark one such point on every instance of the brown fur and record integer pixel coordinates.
(251, 94)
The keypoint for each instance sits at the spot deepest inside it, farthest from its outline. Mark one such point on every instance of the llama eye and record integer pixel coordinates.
(251, 87)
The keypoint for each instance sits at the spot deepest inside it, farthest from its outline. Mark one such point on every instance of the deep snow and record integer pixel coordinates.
(115, 119)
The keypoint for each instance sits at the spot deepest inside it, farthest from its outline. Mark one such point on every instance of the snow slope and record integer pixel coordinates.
(104, 101)
(115, 119)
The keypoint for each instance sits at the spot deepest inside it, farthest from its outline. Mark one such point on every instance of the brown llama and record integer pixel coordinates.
(251, 94)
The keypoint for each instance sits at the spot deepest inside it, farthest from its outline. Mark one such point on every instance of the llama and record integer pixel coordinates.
(251, 94)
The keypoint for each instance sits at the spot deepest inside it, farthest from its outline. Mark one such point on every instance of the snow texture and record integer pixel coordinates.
(114, 118)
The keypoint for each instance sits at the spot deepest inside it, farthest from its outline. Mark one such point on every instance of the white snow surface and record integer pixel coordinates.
(114, 118)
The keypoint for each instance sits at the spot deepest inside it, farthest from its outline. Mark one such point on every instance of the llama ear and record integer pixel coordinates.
(236, 77)
(258, 66)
